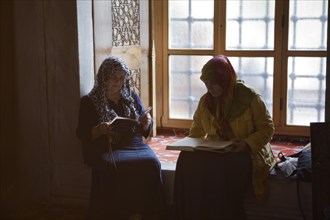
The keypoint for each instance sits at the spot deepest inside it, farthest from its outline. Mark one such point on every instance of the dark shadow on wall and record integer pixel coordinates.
(40, 157)
(8, 144)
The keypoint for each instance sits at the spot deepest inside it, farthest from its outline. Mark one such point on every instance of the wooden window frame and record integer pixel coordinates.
(280, 55)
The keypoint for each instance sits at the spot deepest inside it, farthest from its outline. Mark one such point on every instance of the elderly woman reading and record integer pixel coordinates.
(126, 178)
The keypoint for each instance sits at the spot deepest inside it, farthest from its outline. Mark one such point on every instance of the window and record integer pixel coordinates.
(276, 47)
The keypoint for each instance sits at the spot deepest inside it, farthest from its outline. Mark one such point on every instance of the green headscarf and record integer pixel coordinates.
(239, 101)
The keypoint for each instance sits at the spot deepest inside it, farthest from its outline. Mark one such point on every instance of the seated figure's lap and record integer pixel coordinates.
(211, 185)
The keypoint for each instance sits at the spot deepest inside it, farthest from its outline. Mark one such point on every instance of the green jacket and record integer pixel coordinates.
(255, 126)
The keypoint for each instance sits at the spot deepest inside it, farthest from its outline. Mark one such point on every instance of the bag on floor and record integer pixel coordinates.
(297, 166)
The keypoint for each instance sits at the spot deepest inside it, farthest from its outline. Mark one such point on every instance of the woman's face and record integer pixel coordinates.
(213, 88)
(116, 81)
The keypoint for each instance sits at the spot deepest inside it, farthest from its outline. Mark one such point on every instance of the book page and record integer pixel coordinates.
(123, 118)
(192, 144)
(189, 142)
(144, 113)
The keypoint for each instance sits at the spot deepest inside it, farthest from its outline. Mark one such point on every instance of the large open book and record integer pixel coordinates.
(192, 144)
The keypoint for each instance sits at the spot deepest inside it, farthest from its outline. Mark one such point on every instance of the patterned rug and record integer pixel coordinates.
(279, 144)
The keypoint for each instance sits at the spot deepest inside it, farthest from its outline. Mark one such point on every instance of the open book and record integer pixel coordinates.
(192, 144)
(131, 119)
(123, 118)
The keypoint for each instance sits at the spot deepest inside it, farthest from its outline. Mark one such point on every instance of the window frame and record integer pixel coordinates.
(280, 55)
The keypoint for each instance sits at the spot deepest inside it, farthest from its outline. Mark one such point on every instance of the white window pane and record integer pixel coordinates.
(185, 86)
(178, 39)
(306, 90)
(202, 8)
(250, 24)
(178, 9)
(308, 24)
(199, 38)
(257, 73)
(303, 117)
(191, 24)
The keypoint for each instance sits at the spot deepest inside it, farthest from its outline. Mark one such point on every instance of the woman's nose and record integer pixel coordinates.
(207, 85)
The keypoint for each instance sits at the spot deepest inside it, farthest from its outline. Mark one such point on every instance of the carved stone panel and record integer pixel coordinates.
(125, 22)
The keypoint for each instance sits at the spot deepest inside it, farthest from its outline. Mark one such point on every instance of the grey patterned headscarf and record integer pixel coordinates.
(98, 94)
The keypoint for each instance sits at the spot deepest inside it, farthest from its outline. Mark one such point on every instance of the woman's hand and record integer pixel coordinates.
(240, 146)
(103, 128)
(145, 121)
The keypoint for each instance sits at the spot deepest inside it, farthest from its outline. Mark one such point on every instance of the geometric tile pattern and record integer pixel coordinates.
(135, 80)
(125, 22)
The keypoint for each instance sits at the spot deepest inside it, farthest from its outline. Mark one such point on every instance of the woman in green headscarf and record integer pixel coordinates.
(228, 111)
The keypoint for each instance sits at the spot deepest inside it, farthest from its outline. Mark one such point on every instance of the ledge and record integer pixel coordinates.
(288, 145)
